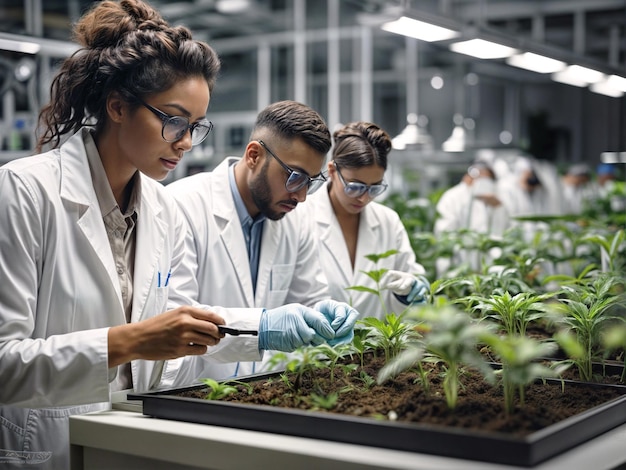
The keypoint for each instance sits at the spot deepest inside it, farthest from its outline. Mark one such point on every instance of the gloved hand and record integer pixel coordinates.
(292, 326)
(342, 318)
(415, 288)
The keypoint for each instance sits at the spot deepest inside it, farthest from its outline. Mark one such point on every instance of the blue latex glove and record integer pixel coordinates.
(419, 291)
(342, 318)
(413, 288)
(292, 326)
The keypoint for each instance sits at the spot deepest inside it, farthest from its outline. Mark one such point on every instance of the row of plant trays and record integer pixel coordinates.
(528, 450)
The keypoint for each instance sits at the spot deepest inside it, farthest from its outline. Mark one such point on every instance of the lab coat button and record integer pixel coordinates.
(120, 270)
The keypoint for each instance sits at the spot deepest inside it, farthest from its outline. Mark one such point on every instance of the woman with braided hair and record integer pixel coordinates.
(93, 249)
(351, 225)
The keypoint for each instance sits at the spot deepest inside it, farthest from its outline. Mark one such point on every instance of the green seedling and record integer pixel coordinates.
(318, 402)
(360, 344)
(512, 313)
(376, 275)
(218, 390)
(610, 249)
(390, 334)
(333, 356)
(586, 310)
(451, 337)
(519, 357)
(368, 380)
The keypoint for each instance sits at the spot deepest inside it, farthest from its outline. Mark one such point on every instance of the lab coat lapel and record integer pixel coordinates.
(151, 230)
(231, 233)
(331, 237)
(76, 187)
(272, 234)
(369, 233)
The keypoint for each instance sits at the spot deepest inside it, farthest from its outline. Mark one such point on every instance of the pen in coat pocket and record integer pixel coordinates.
(167, 279)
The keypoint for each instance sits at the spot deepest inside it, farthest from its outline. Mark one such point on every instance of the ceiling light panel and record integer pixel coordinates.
(536, 63)
(419, 30)
(483, 49)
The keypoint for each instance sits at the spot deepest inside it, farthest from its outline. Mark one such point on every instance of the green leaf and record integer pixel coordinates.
(363, 289)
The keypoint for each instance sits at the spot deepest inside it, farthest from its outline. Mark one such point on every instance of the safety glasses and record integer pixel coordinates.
(297, 179)
(175, 127)
(353, 189)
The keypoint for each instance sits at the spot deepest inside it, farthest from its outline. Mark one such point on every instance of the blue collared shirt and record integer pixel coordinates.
(252, 228)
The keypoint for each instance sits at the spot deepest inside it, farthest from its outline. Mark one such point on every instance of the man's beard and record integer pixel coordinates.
(262, 195)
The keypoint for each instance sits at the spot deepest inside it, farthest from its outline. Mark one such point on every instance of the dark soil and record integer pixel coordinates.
(480, 405)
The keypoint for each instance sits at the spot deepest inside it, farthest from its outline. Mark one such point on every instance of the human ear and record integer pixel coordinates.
(253, 154)
(116, 107)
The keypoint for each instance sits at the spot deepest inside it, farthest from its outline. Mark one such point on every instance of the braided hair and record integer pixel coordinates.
(360, 144)
(126, 47)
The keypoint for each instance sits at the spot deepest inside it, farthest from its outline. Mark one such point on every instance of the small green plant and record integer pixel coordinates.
(587, 310)
(519, 357)
(513, 313)
(360, 345)
(368, 380)
(333, 356)
(218, 390)
(610, 248)
(390, 334)
(375, 275)
(323, 402)
(451, 337)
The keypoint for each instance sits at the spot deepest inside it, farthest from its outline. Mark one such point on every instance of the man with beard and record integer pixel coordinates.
(245, 252)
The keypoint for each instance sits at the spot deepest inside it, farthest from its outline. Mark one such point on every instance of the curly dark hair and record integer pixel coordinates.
(126, 47)
(360, 144)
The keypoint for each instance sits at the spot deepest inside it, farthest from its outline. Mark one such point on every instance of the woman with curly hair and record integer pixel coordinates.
(92, 248)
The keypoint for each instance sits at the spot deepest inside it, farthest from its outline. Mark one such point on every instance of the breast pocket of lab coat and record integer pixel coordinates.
(160, 299)
(280, 281)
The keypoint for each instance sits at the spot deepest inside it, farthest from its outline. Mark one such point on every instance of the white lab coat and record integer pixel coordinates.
(60, 294)
(380, 230)
(519, 202)
(289, 266)
(458, 209)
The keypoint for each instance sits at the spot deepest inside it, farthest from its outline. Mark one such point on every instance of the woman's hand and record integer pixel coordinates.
(180, 332)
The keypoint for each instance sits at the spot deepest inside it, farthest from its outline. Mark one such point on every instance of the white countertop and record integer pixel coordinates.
(133, 437)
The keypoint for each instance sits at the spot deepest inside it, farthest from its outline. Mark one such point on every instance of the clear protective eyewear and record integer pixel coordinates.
(354, 189)
(297, 179)
(175, 127)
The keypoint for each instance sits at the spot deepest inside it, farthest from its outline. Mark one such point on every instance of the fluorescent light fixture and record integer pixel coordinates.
(230, 7)
(36, 45)
(419, 29)
(536, 63)
(617, 82)
(456, 141)
(414, 135)
(568, 79)
(578, 76)
(19, 46)
(613, 157)
(604, 88)
(586, 74)
(483, 49)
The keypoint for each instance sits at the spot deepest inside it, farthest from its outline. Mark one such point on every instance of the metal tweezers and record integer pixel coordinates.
(236, 331)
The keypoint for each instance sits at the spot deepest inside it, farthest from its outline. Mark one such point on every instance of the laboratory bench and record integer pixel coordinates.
(124, 438)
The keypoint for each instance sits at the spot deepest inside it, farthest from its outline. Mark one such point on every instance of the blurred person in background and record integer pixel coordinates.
(472, 204)
(523, 194)
(606, 175)
(350, 225)
(578, 188)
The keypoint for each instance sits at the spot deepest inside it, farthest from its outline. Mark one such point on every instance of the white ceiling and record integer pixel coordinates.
(591, 29)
